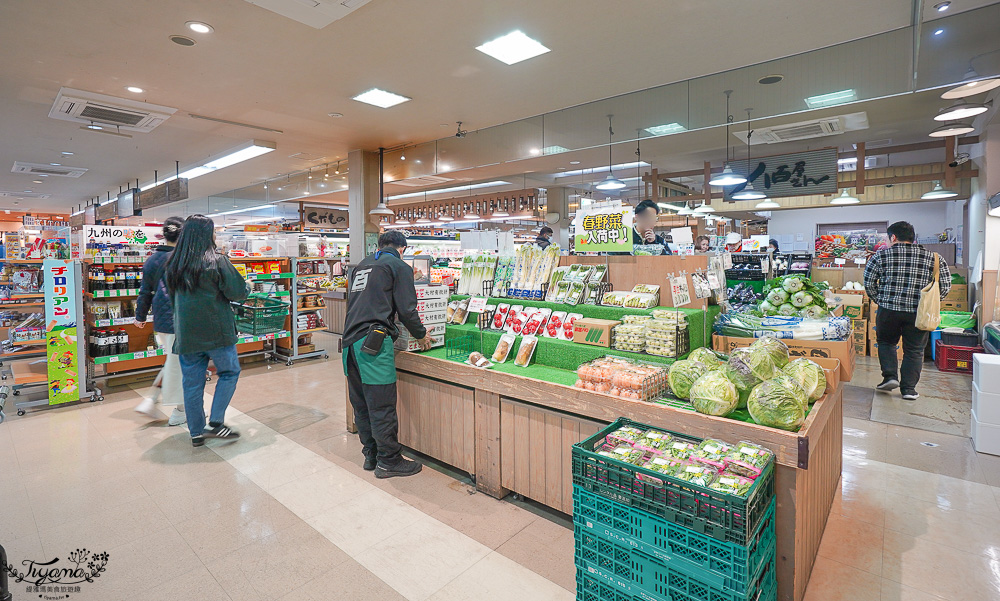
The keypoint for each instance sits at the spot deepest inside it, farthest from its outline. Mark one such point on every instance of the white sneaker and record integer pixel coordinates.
(177, 418)
(148, 407)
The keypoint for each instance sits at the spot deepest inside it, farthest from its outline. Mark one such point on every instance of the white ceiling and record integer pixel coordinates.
(263, 69)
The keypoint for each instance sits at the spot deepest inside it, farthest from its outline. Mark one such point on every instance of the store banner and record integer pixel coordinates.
(315, 218)
(604, 230)
(122, 234)
(784, 175)
(62, 287)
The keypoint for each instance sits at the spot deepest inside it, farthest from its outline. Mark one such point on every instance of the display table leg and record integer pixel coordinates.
(488, 477)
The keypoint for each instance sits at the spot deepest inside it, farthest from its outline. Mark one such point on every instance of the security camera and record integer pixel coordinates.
(960, 159)
(461, 132)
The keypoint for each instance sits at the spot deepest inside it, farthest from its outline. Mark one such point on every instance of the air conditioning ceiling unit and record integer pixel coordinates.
(7, 194)
(805, 130)
(47, 170)
(78, 106)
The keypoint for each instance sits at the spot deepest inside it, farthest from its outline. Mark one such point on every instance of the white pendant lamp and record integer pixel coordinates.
(961, 110)
(727, 178)
(380, 209)
(704, 208)
(402, 220)
(500, 212)
(952, 129)
(685, 211)
(469, 214)
(422, 220)
(767, 203)
(610, 182)
(971, 85)
(445, 216)
(938, 193)
(845, 199)
(749, 193)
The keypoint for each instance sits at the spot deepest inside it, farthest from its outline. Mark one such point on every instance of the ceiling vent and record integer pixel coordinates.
(806, 130)
(423, 180)
(44, 169)
(4, 194)
(314, 13)
(306, 156)
(91, 108)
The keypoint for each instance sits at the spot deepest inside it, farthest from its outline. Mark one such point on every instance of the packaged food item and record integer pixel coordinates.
(679, 449)
(114, 310)
(567, 330)
(535, 322)
(639, 300)
(615, 298)
(597, 275)
(654, 441)
(558, 275)
(646, 288)
(748, 459)
(732, 484)
(636, 319)
(526, 351)
(639, 382)
(500, 317)
(562, 289)
(629, 337)
(553, 327)
(663, 465)
(575, 294)
(625, 435)
(461, 312)
(477, 359)
(450, 311)
(520, 320)
(670, 314)
(503, 348)
(628, 454)
(511, 315)
(713, 453)
(695, 473)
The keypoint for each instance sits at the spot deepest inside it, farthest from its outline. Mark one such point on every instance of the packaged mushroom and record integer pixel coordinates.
(503, 348)
(452, 306)
(526, 351)
(478, 360)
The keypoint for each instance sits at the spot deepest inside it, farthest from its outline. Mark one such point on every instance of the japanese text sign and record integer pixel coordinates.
(796, 174)
(122, 234)
(604, 230)
(61, 330)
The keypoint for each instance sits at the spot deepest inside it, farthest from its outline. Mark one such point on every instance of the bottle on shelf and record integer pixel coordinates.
(120, 277)
(122, 346)
(131, 278)
(109, 280)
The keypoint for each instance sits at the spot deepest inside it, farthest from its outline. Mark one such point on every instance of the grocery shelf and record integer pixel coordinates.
(98, 294)
(12, 306)
(245, 338)
(129, 356)
(310, 293)
(311, 330)
(23, 261)
(292, 350)
(27, 295)
(34, 342)
(259, 277)
(110, 261)
(118, 321)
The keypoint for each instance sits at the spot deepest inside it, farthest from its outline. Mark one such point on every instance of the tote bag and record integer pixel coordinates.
(929, 309)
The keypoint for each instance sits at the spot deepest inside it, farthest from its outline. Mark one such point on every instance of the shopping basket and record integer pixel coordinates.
(260, 314)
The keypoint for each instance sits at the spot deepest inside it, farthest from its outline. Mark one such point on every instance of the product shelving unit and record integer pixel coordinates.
(279, 284)
(291, 350)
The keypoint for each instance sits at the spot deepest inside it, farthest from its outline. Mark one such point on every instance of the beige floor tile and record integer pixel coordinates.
(853, 542)
(279, 465)
(349, 581)
(197, 584)
(156, 559)
(991, 468)
(272, 566)
(835, 581)
(106, 528)
(953, 456)
(860, 503)
(938, 523)
(53, 505)
(490, 521)
(929, 412)
(546, 549)
(894, 591)
(430, 491)
(922, 565)
(422, 558)
(318, 492)
(949, 492)
(25, 548)
(365, 520)
(864, 439)
(497, 577)
(205, 496)
(17, 519)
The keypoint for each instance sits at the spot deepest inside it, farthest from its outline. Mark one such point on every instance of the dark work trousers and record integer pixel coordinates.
(890, 326)
(374, 414)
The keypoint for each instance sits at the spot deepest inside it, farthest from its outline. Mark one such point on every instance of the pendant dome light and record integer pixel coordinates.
(704, 208)
(501, 211)
(381, 209)
(685, 211)
(402, 220)
(610, 182)
(952, 129)
(845, 199)
(446, 215)
(728, 177)
(748, 192)
(971, 85)
(469, 214)
(960, 110)
(767, 203)
(939, 193)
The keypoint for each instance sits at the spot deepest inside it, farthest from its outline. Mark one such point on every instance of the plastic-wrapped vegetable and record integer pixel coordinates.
(732, 484)
(808, 375)
(654, 441)
(627, 435)
(753, 363)
(628, 454)
(679, 449)
(663, 465)
(777, 297)
(706, 356)
(777, 351)
(695, 473)
(682, 375)
(793, 389)
(714, 394)
(773, 404)
(748, 459)
(712, 453)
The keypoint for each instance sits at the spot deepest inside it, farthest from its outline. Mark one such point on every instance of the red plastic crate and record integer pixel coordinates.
(955, 358)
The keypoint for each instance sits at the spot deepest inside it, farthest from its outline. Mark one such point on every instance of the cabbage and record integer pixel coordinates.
(765, 307)
(787, 309)
(809, 376)
(801, 299)
(706, 356)
(714, 394)
(775, 405)
(776, 350)
(777, 297)
(683, 374)
(793, 388)
(744, 383)
(791, 285)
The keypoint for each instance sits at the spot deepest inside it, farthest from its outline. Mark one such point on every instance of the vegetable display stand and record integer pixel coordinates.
(514, 428)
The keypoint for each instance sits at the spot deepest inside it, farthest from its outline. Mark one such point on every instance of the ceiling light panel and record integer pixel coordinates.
(662, 130)
(831, 99)
(513, 48)
(381, 98)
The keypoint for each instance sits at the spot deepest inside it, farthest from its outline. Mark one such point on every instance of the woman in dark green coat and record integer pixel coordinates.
(202, 283)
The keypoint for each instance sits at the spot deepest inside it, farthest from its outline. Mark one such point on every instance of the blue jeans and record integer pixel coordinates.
(193, 369)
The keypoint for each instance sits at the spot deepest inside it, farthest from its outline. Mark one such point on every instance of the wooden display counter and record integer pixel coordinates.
(514, 434)
(335, 312)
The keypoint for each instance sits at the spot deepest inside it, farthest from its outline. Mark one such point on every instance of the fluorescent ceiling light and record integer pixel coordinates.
(243, 152)
(938, 193)
(513, 48)
(446, 190)
(554, 149)
(602, 169)
(670, 128)
(749, 193)
(831, 99)
(727, 178)
(845, 199)
(381, 98)
(960, 110)
(952, 129)
(847, 161)
(235, 211)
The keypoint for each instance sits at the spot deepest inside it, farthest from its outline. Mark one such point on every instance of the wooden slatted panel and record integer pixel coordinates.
(437, 419)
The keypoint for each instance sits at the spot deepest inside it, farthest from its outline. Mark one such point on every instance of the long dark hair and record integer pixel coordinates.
(195, 250)
(172, 229)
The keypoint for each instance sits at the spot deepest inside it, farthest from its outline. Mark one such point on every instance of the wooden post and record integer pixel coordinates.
(860, 169)
(949, 158)
(708, 187)
(302, 217)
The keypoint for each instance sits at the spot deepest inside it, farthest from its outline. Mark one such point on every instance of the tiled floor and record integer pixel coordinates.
(287, 513)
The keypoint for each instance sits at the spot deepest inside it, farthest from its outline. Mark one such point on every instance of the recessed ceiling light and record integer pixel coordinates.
(831, 99)
(135, 90)
(662, 130)
(56, 164)
(36, 181)
(182, 40)
(770, 79)
(335, 115)
(938, 31)
(199, 27)
(381, 98)
(513, 48)
(66, 153)
(942, 6)
(574, 162)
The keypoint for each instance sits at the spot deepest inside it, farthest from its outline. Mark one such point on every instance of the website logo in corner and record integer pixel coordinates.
(58, 579)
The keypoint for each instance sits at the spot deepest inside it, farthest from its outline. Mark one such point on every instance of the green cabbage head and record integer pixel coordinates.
(809, 376)
(744, 382)
(683, 374)
(776, 405)
(706, 356)
(714, 394)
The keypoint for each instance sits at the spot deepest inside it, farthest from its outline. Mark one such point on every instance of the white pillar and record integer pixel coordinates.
(362, 196)
(557, 203)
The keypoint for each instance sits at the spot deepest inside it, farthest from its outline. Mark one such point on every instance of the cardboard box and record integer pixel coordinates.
(431, 292)
(873, 349)
(958, 293)
(432, 317)
(842, 350)
(427, 305)
(950, 305)
(859, 336)
(593, 331)
(406, 342)
(832, 369)
(853, 304)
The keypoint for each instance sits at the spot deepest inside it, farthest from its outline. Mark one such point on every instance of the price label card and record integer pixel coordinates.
(727, 261)
(679, 290)
(840, 261)
(113, 360)
(270, 336)
(713, 280)
(477, 304)
(860, 261)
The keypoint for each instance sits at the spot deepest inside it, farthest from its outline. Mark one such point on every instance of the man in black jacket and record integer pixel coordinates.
(381, 289)
(544, 238)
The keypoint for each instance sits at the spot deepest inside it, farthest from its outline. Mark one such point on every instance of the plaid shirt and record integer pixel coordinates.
(895, 276)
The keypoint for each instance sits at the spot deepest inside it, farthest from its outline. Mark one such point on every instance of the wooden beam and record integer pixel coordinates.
(655, 177)
(910, 179)
(949, 158)
(860, 169)
(931, 145)
(708, 188)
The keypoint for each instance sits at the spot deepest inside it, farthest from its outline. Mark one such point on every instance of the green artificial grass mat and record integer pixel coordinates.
(534, 370)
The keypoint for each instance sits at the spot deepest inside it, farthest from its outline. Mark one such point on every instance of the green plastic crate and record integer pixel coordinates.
(635, 575)
(259, 314)
(723, 564)
(724, 517)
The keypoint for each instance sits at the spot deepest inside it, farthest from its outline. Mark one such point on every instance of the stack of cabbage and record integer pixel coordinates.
(794, 295)
(761, 378)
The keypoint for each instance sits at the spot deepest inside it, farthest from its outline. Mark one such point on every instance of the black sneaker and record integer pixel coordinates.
(221, 431)
(402, 468)
(198, 441)
(910, 395)
(888, 384)
(370, 463)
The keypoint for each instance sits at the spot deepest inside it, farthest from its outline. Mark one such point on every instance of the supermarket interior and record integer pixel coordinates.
(634, 364)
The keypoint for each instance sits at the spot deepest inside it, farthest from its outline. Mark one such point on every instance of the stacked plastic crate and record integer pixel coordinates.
(644, 535)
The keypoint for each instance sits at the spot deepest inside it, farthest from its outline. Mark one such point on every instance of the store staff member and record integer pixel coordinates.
(646, 213)
(381, 288)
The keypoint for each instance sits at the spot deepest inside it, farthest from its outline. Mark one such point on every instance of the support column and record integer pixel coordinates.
(557, 201)
(362, 195)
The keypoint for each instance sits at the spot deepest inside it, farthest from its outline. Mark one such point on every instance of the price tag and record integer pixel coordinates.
(859, 261)
(727, 261)
(477, 304)
(113, 360)
(713, 280)
(270, 337)
(138, 355)
(840, 261)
